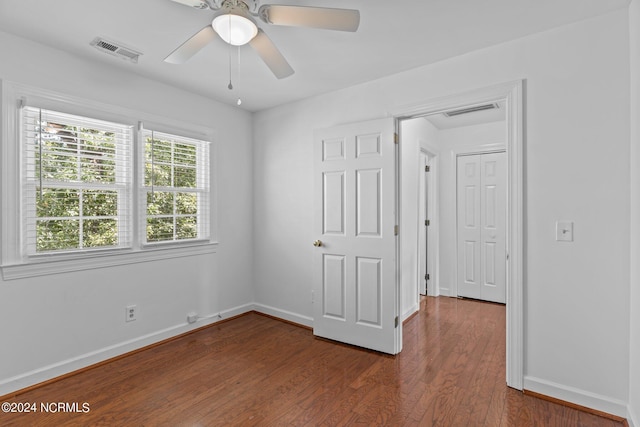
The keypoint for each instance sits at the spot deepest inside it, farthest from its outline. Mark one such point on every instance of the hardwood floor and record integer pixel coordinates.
(257, 371)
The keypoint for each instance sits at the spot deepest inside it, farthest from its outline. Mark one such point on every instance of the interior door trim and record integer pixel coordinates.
(512, 93)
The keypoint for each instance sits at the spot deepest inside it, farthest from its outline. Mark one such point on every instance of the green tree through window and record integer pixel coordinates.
(78, 186)
(77, 181)
(176, 187)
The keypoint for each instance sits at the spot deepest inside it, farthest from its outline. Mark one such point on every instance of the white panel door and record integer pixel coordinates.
(481, 217)
(493, 202)
(355, 294)
(469, 235)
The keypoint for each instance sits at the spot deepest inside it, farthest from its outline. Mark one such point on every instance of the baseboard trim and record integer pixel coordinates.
(574, 406)
(295, 318)
(37, 378)
(409, 317)
(576, 398)
(412, 311)
(288, 322)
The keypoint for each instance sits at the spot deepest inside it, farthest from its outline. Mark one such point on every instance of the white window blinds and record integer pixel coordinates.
(77, 182)
(174, 192)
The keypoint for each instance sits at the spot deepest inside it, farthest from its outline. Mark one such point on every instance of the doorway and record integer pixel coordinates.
(423, 230)
(509, 96)
(427, 215)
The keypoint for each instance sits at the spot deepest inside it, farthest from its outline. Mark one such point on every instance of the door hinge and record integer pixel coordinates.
(397, 322)
(396, 138)
(396, 230)
(427, 222)
(427, 168)
(427, 277)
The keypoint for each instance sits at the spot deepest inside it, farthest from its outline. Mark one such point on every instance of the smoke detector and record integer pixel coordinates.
(115, 49)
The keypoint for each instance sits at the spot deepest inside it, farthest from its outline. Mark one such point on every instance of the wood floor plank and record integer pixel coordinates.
(257, 371)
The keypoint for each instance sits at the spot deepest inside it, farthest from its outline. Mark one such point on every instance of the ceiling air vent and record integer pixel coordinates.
(467, 110)
(115, 49)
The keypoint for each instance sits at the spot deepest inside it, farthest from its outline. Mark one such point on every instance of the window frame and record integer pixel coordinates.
(203, 178)
(15, 261)
(122, 184)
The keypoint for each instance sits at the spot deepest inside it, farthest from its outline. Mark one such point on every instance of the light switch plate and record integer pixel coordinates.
(564, 231)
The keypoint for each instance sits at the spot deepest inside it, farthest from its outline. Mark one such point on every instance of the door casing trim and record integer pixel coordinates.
(511, 92)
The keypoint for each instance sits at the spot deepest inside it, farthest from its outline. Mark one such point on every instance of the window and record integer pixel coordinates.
(175, 190)
(76, 182)
(84, 185)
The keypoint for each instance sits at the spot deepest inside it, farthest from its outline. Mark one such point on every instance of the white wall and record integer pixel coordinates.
(577, 117)
(414, 133)
(634, 355)
(61, 322)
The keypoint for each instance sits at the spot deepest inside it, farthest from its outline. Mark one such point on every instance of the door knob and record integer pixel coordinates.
(317, 243)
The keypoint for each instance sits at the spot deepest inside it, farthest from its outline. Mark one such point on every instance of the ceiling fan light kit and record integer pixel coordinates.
(235, 26)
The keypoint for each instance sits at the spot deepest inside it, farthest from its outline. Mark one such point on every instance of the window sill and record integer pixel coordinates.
(42, 267)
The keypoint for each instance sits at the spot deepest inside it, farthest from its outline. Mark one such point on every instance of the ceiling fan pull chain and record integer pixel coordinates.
(230, 86)
(239, 101)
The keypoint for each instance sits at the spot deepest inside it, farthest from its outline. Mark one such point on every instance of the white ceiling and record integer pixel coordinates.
(394, 35)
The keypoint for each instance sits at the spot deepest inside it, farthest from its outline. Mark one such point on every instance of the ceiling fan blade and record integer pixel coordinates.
(315, 17)
(270, 54)
(189, 48)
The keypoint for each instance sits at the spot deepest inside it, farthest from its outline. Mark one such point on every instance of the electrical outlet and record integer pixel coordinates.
(192, 317)
(131, 313)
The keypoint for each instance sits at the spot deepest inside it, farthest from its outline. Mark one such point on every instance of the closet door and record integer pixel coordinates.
(481, 223)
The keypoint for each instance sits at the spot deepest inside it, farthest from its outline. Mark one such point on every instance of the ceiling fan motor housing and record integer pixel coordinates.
(250, 6)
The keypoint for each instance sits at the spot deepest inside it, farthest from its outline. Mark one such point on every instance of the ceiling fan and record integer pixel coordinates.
(234, 21)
